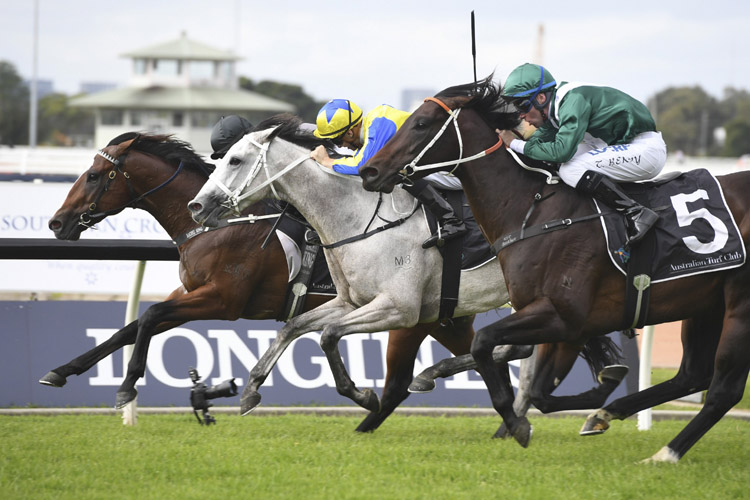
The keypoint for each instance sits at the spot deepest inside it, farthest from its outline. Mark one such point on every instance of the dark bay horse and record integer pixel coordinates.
(225, 274)
(562, 284)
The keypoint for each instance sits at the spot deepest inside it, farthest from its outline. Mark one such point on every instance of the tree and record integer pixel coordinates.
(14, 106)
(686, 117)
(307, 107)
(62, 125)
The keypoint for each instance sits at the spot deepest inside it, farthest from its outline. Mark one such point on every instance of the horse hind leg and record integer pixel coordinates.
(700, 336)
(731, 368)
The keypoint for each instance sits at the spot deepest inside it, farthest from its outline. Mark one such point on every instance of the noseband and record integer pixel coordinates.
(87, 218)
(412, 167)
(235, 197)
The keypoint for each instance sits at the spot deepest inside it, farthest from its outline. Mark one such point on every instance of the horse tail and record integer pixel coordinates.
(601, 351)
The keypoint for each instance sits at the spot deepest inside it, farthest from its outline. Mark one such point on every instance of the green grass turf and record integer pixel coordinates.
(319, 457)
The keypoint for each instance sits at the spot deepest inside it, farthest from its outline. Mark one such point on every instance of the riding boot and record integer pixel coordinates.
(449, 226)
(639, 218)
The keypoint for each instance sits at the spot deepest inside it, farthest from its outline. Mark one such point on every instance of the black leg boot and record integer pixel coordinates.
(639, 218)
(449, 226)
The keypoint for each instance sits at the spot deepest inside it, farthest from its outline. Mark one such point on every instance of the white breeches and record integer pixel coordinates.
(639, 160)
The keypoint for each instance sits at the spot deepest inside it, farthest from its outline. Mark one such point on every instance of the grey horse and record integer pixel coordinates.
(384, 281)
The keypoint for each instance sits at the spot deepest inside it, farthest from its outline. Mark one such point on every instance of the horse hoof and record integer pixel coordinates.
(52, 379)
(595, 424)
(249, 402)
(124, 397)
(665, 455)
(522, 432)
(370, 401)
(421, 385)
(613, 373)
(503, 432)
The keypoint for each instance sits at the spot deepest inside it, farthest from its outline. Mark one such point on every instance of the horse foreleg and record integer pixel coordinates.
(81, 364)
(202, 303)
(403, 346)
(536, 322)
(380, 314)
(425, 381)
(310, 321)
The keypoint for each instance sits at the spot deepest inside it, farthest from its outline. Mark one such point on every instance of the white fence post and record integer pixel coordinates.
(644, 374)
(130, 411)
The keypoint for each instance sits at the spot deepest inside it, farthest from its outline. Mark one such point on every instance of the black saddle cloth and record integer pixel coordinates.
(695, 233)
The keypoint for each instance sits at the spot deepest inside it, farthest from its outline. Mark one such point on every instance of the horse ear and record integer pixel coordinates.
(124, 146)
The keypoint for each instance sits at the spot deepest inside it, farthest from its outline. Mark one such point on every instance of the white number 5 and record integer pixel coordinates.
(686, 217)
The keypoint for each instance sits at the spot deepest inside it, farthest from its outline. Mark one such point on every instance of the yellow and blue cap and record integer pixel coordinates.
(336, 117)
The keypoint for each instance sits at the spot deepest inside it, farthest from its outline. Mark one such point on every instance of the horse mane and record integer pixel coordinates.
(166, 147)
(485, 97)
(289, 127)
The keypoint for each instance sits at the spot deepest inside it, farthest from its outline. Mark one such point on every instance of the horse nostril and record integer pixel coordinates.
(55, 224)
(195, 206)
(369, 173)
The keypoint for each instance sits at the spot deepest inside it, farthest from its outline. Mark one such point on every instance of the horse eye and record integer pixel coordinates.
(234, 161)
(92, 177)
(420, 124)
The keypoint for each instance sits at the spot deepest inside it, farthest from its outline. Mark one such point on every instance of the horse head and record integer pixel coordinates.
(231, 187)
(433, 133)
(246, 174)
(94, 193)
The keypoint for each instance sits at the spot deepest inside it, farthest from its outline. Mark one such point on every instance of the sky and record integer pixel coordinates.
(370, 51)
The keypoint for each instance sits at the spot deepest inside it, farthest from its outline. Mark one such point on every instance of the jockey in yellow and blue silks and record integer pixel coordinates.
(378, 126)
(347, 126)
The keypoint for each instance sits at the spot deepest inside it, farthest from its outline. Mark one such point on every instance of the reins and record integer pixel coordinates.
(377, 230)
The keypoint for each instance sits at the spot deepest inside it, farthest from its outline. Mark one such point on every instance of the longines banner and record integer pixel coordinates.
(41, 335)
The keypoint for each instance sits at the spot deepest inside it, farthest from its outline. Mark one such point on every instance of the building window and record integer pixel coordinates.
(177, 119)
(139, 66)
(166, 67)
(204, 119)
(201, 70)
(136, 117)
(111, 117)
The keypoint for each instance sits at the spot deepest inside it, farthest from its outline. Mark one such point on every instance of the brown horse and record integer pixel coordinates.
(225, 274)
(562, 284)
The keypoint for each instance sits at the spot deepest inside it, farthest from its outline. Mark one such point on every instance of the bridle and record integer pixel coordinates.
(89, 217)
(235, 197)
(412, 167)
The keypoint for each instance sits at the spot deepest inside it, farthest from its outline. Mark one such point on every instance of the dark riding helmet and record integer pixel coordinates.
(526, 82)
(227, 131)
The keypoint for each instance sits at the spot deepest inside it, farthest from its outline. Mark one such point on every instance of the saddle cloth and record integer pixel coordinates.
(695, 233)
(476, 250)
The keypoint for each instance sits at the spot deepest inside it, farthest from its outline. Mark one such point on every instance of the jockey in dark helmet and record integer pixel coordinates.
(346, 125)
(597, 134)
(227, 131)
